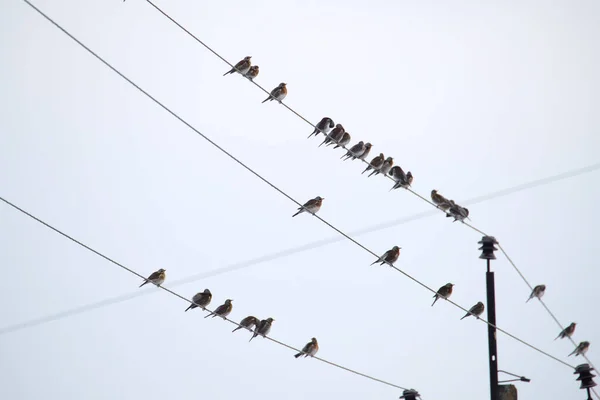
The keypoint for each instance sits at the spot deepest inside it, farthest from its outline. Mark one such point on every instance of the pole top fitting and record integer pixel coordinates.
(487, 246)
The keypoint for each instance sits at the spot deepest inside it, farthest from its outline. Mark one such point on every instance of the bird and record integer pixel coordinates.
(581, 349)
(249, 322)
(375, 163)
(223, 310)
(336, 132)
(390, 256)
(439, 200)
(367, 151)
(343, 142)
(538, 292)
(324, 126)
(310, 349)
(402, 180)
(278, 93)
(568, 331)
(458, 212)
(157, 277)
(475, 311)
(252, 72)
(444, 292)
(385, 167)
(201, 299)
(242, 66)
(355, 151)
(311, 206)
(263, 328)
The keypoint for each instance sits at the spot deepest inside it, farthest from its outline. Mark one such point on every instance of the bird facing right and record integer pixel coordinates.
(568, 331)
(157, 277)
(201, 300)
(263, 328)
(443, 293)
(537, 292)
(311, 206)
(475, 311)
(310, 349)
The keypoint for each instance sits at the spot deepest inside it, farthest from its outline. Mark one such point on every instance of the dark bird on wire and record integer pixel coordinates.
(249, 322)
(376, 163)
(201, 300)
(538, 292)
(443, 293)
(157, 277)
(568, 331)
(263, 328)
(475, 311)
(278, 93)
(324, 126)
(241, 67)
(310, 349)
(389, 257)
(223, 310)
(311, 206)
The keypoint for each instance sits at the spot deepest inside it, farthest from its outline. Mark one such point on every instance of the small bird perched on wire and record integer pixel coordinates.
(324, 126)
(252, 72)
(402, 180)
(263, 328)
(375, 163)
(201, 299)
(439, 200)
(444, 292)
(278, 93)
(157, 277)
(389, 257)
(475, 311)
(336, 133)
(458, 212)
(355, 151)
(568, 331)
(310, 349)
(223, 310)
(311, 206)
(343, 142)
(241, 67)
(385, 167)
(249, 322)
(581, 349)
(538, 292)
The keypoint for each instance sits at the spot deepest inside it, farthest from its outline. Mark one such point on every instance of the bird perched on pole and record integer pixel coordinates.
(376, 163)
(223, 310)
(157, 277)
(324, 126)
(263, 328)
(252, 72)
(311, 206)
(538, 292)
(475, 311)
(201, 300)
(402, 180)
(439, 200)
(581, 349)
(444, 292)
(249, 322)
(385, 167)
(241, 67)
(278, 93)
(568, 331)
(310, 349)
(389, 257)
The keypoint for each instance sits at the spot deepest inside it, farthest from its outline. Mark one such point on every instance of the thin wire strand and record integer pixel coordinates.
(266, 181)
(47, 225)
(344, 147)
(287, 252)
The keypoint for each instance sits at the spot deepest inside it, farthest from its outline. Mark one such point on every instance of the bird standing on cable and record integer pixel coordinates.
(242, 66)
(389, 257)
(581, 349)
(475, 311)
(366, 152)
(458, 212)
(355, 151)
(343, 142)
(324, 126)
(263, 328)
(402, 180)
(336, 134)
(278, 93)
(311, 206)
(538, 292)
(223, 310)
(157, 277)
(375, 163)
(310, 349)
(252, 72)
(385, 167)
(439, 200)
(444, 292)
(568, 331)
(249, 322)
(201, 299)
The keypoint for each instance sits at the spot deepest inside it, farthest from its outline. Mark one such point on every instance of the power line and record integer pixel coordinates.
(269, 183)
(291, 251)
(180, 296)
(344, 147)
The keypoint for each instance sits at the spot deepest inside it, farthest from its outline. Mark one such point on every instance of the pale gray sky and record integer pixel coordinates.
(470, 97)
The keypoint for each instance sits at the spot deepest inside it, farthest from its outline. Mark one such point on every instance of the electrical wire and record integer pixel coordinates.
(344, 147)
(47, 225)
(266, 181)
(291, 251)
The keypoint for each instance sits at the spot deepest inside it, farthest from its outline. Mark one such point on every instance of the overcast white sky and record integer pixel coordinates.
(470, 97)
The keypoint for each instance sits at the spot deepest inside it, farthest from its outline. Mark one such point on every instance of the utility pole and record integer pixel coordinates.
(487, 246)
